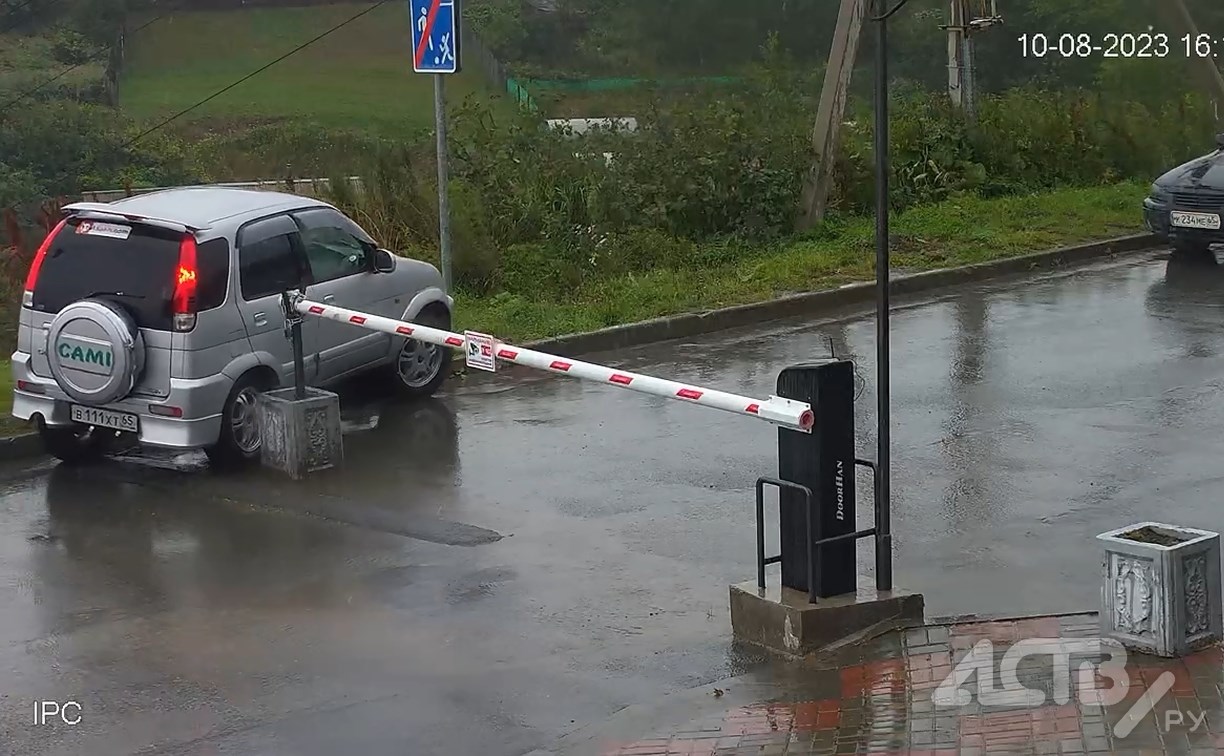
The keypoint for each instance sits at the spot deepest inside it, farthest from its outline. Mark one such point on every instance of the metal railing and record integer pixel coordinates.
(811, 535)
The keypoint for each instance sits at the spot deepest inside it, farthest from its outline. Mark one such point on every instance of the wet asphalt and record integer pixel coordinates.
(528, 554)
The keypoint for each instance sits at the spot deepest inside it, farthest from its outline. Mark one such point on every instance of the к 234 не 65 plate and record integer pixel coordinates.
(1207, 221)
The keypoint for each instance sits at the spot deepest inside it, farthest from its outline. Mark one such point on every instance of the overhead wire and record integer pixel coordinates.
(901, 4)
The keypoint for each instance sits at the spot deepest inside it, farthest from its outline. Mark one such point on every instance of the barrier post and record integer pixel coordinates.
(299, 426)
(293, 323)
(823, 462)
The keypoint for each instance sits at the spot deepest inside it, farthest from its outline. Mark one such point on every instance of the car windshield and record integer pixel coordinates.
(130, 263)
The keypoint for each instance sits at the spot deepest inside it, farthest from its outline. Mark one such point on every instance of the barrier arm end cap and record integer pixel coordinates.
(793, 414)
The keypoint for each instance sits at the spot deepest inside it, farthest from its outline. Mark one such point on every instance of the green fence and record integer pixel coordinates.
(520, 94)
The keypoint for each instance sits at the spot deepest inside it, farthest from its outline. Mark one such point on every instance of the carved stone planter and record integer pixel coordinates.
(1161, 590)
(300, 436)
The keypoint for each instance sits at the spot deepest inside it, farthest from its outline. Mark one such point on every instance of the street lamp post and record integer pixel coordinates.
(884, 572)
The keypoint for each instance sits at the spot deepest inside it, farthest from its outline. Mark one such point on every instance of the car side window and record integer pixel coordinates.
(333, 253)
(335, 246)
(268, 260)
(212, 259)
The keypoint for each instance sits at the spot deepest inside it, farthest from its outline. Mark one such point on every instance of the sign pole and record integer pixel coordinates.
(444, 226)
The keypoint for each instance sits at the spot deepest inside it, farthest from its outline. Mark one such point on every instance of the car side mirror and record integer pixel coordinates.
(1220, 141)
(384, 261)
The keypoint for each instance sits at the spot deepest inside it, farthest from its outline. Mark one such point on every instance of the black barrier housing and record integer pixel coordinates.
(823, 463)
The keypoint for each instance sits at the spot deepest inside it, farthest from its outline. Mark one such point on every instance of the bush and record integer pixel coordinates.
(534, 269)
(70, 47)
(62, 148)
(704, 181)
(641, 250)
(241, 152)
(539, 212)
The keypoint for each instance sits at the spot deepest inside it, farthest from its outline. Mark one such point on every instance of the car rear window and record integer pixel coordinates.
(92, 259)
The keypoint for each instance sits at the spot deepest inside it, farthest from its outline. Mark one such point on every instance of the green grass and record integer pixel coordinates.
(359, 76)
(27, 62)
(953, 233)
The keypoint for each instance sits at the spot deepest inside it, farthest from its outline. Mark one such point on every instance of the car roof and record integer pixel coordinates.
(206, 206)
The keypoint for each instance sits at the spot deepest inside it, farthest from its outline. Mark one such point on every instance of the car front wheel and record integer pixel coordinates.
(419, 368)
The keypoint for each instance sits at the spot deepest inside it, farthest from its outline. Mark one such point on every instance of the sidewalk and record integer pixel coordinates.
(878, 699)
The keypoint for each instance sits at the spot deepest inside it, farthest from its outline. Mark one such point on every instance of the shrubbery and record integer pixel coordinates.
(540, 212)
(708, 178)
(61, 148)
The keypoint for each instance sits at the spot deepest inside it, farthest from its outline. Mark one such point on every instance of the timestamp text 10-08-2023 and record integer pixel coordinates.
(1120, 45)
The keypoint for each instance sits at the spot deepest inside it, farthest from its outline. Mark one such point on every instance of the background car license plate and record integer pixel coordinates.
(1210, 221)
(121, 421)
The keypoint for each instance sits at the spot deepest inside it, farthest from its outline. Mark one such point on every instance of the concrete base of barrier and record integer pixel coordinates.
(782, 620)
(300, 436)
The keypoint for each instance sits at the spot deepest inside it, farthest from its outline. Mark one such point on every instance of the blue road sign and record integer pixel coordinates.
(435, 36)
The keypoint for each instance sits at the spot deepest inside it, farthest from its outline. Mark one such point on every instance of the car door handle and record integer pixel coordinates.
(330, 298)
(261, 319)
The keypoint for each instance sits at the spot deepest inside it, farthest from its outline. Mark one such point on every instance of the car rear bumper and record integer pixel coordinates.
(36, 397)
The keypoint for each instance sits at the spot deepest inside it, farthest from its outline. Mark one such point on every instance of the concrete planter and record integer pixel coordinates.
(300, 436)
(1161, 588)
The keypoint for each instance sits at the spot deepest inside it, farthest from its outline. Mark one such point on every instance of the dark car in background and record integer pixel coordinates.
(1185, 205)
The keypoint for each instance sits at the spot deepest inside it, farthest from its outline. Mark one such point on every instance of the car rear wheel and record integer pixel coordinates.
(420, 368)
(239, 442)
(76, 444)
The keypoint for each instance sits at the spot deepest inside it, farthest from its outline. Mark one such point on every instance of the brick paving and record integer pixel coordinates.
(882, 699)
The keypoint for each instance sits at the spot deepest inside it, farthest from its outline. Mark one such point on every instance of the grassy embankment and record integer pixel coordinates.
(938, 236)
(952, 233)
(359, 76)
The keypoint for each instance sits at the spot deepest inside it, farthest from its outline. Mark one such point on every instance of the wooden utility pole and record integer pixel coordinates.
(957, 27)
(1179, 14)
(831, 113)
(962, 25)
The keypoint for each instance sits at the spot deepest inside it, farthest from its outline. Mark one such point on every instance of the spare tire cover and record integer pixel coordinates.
(96, 351)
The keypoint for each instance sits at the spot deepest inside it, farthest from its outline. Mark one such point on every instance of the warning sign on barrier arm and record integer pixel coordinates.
(786, 413)
(479, 348)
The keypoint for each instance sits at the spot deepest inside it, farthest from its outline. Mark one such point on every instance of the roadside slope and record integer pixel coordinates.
(358, 76)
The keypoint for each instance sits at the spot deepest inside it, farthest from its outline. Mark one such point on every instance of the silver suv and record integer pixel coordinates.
(158, 317)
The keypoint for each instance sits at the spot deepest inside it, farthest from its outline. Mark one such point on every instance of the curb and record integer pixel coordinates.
(694, 324)
(984, 619)
(25, 446)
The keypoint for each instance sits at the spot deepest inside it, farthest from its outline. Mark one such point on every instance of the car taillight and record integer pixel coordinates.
(185, 285)
(27, 296)
(165, 410)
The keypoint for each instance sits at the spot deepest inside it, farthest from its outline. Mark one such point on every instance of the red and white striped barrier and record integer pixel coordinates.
(783, 412)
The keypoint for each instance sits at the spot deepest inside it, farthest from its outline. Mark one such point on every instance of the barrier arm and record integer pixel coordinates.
(785, 413)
